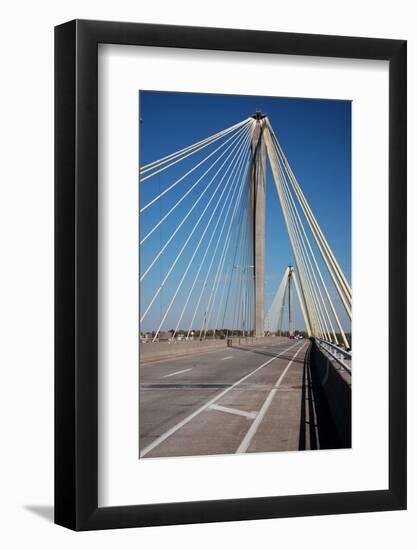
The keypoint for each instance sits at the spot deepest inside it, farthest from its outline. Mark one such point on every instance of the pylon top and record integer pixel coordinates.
(258, 115)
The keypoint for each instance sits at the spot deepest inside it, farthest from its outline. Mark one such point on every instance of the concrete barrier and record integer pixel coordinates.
(333, 385)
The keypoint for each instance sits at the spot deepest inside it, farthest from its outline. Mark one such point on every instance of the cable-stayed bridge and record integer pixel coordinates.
(202, 288)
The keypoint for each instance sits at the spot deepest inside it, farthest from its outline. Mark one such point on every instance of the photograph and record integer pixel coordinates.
(207, 225)
(245, 274)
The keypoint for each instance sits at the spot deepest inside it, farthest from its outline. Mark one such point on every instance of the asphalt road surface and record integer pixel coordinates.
(242, 399)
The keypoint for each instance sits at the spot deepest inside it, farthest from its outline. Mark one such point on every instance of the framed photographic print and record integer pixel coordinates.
(230, 275)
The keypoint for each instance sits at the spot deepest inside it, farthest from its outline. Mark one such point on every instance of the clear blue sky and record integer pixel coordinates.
(316, 138)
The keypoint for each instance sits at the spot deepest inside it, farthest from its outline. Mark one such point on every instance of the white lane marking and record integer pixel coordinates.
(174, 373)
(230, 410)
(185, 421)
(255, 424)
(228, 357)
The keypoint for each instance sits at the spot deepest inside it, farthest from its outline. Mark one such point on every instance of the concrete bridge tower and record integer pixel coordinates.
(257, 193)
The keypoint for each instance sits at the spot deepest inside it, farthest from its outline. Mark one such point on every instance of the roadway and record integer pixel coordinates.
(257, 398)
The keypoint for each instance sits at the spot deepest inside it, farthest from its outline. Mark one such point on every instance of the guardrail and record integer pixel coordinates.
(337, 353)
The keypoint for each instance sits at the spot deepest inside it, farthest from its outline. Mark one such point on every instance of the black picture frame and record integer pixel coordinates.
(76, 272)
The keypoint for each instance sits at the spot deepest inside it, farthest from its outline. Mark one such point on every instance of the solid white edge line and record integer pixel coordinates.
(247, 440)
(185, 421)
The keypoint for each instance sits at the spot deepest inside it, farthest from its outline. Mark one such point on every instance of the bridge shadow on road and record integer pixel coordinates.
(317, 427)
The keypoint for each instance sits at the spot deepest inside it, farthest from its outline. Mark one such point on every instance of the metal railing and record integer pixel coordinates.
(336, 352)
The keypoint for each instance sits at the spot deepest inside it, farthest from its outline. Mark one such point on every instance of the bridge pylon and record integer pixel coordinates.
(257, 196)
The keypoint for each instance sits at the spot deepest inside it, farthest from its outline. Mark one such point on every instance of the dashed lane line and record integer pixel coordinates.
(198, 411)
(177, 372)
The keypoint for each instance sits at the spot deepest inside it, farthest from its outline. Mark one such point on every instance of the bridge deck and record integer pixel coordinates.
(243, 399)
